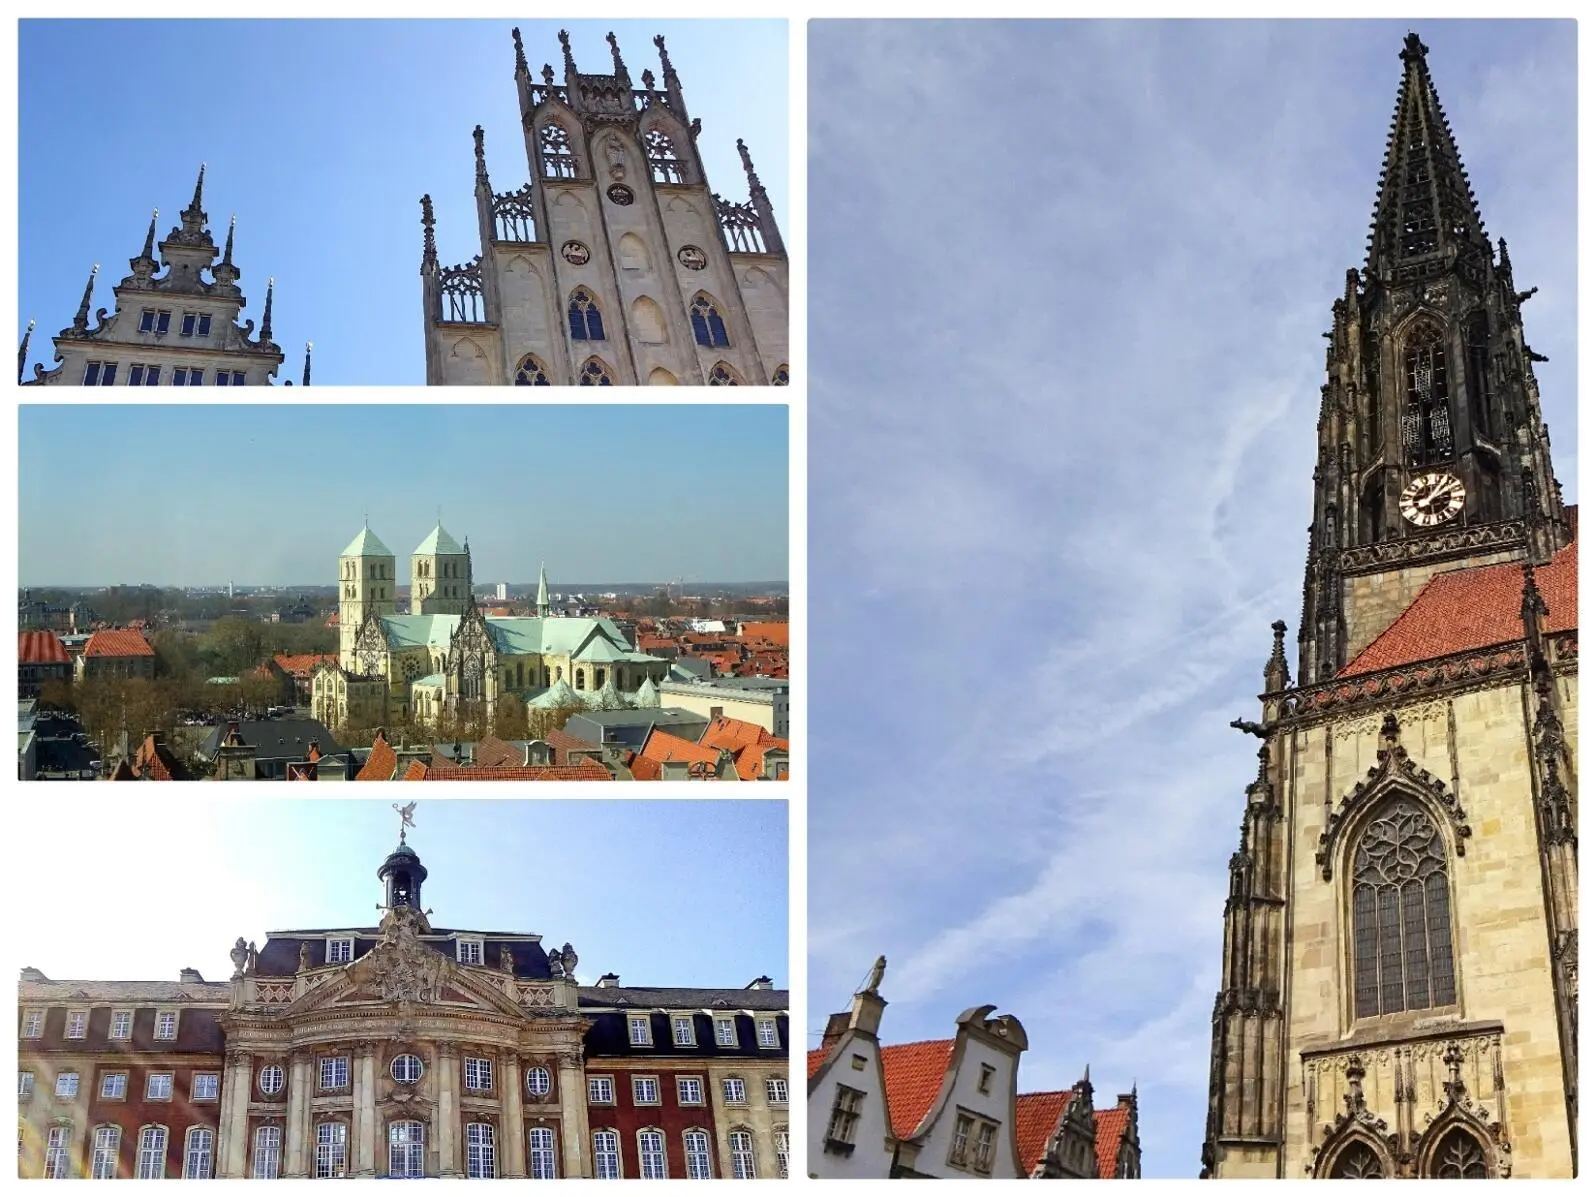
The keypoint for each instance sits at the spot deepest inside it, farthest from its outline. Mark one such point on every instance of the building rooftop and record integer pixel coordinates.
(118, 642)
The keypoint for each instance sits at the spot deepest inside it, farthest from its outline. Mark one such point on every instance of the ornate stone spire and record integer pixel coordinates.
(1277, 676)
(520, 52)
(193, 216)
(149, 237)
(266, 316)
(671, 81)
(482, 158)
(761, 202)
(305, 380)
(225, 273)
(227, 253)
(22, 353)
(81, 320)
(565, 48)
(429, 241)
(615, 56)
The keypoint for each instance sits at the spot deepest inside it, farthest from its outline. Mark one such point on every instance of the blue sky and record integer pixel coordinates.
(203, 494)
(1067, 288)
(208, 871)
(322, 137)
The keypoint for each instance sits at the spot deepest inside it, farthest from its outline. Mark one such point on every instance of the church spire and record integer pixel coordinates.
(227, 252)
(543, 590)
(615, 56)
(761, 201)
(570, 59)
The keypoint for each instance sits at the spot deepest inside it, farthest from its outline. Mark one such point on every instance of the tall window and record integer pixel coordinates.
(742, 1155)
(405, 1146)
(121, 1024)
(782, 1152)
(844, 1116)
(32, 1024)
(765, 1032)
(529, 372)
(558, 160)
(166, 1024)
(107, 1147)
(663, 164)
(198, 1152)
(332, 1150)
(540, 1159)
(479, 1151)
(55, 1153)
(1401, 915)
(1426, 419)
(985, 1139)
(696, 1145)
(1459, 1157)
(709, 329)
(334, 1072)
(478, 1073)
(152, 1153)
(606, 1155)
(682, 1030)
(77, 1026)
(587, 322)
(638, 1030)
(651, 1155)
(268, 1152)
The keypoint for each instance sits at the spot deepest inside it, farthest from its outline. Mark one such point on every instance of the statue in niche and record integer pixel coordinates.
(616, 156)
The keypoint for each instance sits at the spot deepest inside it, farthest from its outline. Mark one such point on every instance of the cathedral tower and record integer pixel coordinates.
(615, 264)
(176, 329)
(365, 587)
(440, 575)
(1399, 987)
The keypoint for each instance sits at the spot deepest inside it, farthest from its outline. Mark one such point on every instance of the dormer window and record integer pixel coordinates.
(638, 1032)
(77, 1026)
(340, 951)
(468, 951)
(166, 1024)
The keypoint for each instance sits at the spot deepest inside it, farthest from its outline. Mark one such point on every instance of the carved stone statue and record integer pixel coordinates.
(616, 156)
(304, 956)
(556, 967)
(249, 965)
(239, 956)
(873, 980)
(507, 959)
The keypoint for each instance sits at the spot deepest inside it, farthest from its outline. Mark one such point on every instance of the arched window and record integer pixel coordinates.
(406, 1146)
(741, 1143)
(107, 1147)
(695, 1143)
(198, 1153)
(540, 1158)
(1357, 1161)
(268, 1152)
(587, 322)
(594, 374)
(651, 1155)
(598, 677)
(1401, 914)
(152, 1153)
(555, 146)
(1459, 1156)
(724, 376)
(709, 329)
(606, 1155)
(480, 1163)
(581, 679)
(781, 377)
(1426, 418)
(332, 1150)
(663, 164)
(529, 372)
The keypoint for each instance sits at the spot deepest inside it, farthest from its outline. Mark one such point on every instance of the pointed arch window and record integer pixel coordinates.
(1357, 1161)
(1401, 914)
(709, 330)
(663, 164)
(594, 374)
(554, 145)
(781, 377)
(1459, 1156)
(587, 322)
(1426, 418)
(724, 376)
(529, 372)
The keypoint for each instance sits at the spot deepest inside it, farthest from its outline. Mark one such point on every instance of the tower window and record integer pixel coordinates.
(587, 322)
(1426, 418)
(709, 329)
(529, 372)
(663, 164)
(594, 374)
(1401, 915)
(555, 146)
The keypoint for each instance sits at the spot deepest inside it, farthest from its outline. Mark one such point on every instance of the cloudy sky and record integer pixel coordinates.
(1068, 282)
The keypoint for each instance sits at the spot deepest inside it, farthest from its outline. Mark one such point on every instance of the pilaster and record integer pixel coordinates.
(448, 1128)
(512, 1132)
(232, 1137)
(296, 1157)
(573, 1115)
(364, 1128)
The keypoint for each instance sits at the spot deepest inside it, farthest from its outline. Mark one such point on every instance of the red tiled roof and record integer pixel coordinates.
(1111, 1127)
(748, 743)
(118, 642)
(1467, 609)
(817, 1057)
(380, 762)
(564, 744)
(662, 746)
(41, 648)
(587, 771)
(643, 769)
(914, 1074)
(776, 633)
(301, 665)
(415, 771)
(1036, 1117)
(491, 752)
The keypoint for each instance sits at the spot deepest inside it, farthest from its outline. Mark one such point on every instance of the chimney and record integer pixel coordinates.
(716, 713)
(759, 983)
(837, 1025)
(609, 981)
(190, 976)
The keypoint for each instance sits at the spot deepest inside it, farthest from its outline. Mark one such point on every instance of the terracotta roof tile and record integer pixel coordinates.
(1036, 1117)
(817, 1057)
(914, 1074)
(1467, 609)
(380, 762)
(416, 771)
(564, 744)
(301, 665)
(491, 752)
(662, 746)
(776, 633)
(644, 769)
(1111, 1127)
(41, 648)
(724, 732)
(118, 642)
(589, 771)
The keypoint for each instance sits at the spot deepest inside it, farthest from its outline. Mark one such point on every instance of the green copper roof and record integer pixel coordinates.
(366, 544)
(438, 541)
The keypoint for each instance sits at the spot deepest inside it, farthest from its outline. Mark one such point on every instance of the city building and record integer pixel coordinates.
(759, 700)
(949, 1108)
(400, 1050)
(172, 329)
(1400, 987)
(41, 659)
(116, 652)
(615, 264)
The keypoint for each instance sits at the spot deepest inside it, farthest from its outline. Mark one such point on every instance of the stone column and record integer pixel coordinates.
(232, 1136)
(512, 1130)
(364, 1130)
(447, 1132)
(578, 1159)
(297, 1146)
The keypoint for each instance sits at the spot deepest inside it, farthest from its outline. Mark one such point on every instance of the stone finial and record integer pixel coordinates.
(196, 205)
(227, 253)
(1390, 732)
(648, 79)
(22, 353)
(548, 75)
(565, 49)
(482, 157)
(615, 56)
(1413, 50)
(266, 316)
(148, 252)
(305, 381)
(81, 320)
(429, 241)
(665, 62)
(520, 53)
(1277, 675)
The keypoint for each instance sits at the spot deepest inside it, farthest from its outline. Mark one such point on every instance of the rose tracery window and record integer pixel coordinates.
(1357, 1162)
(1459, 1157)
(1426, 418)
(1401, 915)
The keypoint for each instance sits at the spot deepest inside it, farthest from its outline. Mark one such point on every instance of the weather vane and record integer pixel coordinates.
(407, 817)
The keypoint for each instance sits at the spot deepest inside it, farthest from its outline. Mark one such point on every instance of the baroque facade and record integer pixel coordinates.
(615, 264)
(401, 1050)
(1400, 985)
(172, 329)
(445, 657)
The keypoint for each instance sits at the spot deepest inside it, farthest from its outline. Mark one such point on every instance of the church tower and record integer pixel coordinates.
(176, 329)
(440, 574)
(365, 586)
(615, 264)
(1399, 986)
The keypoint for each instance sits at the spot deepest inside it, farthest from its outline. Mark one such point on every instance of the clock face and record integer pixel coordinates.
(1432, 499)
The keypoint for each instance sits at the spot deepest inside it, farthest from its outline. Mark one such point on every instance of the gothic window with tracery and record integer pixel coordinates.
(1426, 418)
(1357, 1162)
(709, 329)
(1401, 915)
(663, 164)
(782, 377)
(1459, 1157)
(558, 160)
(587, 322)
(723, 376)
(529, 372)
(594, 374)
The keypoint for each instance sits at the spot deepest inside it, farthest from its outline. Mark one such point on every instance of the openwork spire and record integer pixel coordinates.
(520, 53)
(1425, 203)
(81, 320)
(429, 240)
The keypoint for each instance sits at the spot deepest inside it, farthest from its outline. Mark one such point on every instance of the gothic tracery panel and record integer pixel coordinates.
(1401, 914)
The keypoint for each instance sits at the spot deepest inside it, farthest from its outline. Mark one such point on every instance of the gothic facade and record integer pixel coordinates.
(401, 1050)
(615, 264)
(172, 329)
(1400, 981)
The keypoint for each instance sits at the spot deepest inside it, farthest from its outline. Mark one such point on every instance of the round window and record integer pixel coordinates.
(537, 1082)
(406, 1069)
(271, 1079)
